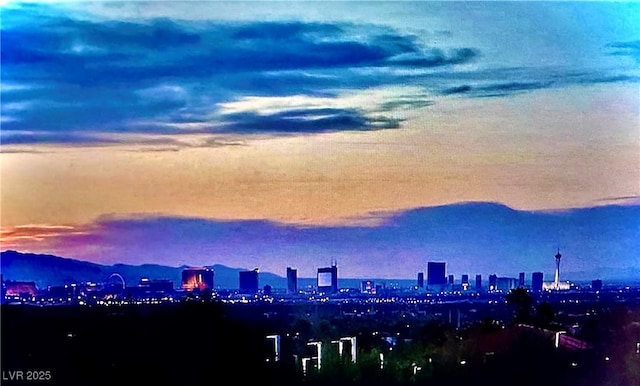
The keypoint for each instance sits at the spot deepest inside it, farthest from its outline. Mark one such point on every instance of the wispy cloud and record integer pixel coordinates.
(72, 77)
(351, 110)
(623, 200)
(35, 233)
(630, 49)
(110, 76)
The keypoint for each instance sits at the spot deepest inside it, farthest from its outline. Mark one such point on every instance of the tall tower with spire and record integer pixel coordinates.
(557, 281)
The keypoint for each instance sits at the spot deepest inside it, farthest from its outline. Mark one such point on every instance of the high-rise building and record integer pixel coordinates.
(197, 278)
(478, 282)
(465, 282)
(596, 285)
(155, 285)
(536, 281)
(420, 279)
(557, 277)
(506, 284)
(328, 279)
(450, 280)
(368, 287)
(292, 280)
(249, 281)
(493, 281)
(267, 290)
(436, 273)
(20, 288)
(521, 280)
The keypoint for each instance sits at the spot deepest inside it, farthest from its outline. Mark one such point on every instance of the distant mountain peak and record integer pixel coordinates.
(47, 270)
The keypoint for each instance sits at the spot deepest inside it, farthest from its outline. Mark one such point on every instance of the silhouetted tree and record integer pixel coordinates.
(520, 299)
(207, 294)
(544, 315)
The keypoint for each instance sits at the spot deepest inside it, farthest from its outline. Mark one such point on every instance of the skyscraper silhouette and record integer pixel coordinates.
(197, 278)
(557, 279)
(249, 281)
(436, 273)
(292, 280)
(493, 282)
(536, 281)
(328, 279)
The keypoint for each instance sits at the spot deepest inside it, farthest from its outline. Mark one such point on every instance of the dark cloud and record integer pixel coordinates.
(630, 49)
(305, 121)
(501, 89)
(118, 76)
(492, 84)
(457, 90)
(90, 53)
(86, 139)
(437, 57)
(21, 151)
(406, 103)
(631, 199)
(495, 89)
(9, 138)
(77, 77)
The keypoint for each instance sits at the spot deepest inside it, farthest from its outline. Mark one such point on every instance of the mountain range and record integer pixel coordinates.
(472, 238)
(49, 270)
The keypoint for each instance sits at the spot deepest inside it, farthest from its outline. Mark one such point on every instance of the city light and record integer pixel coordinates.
(318, 346)
(276, 346)
(340, 344)
(352, 341)
(557, 339)
(305, 365)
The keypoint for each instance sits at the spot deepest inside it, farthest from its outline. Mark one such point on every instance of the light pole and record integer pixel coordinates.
(351, 339)
(340, 344)
(276, 345)
(319, 351)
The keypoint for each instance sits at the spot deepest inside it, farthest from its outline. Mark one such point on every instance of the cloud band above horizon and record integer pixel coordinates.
(71, 79)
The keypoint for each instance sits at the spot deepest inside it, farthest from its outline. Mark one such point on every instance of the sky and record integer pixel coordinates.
(199, 125)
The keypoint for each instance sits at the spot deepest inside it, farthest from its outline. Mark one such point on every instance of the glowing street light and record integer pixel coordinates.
(319, 351)
(351, 339)
(340, 344)
(276, 346)
(305, 364)
(557, 343)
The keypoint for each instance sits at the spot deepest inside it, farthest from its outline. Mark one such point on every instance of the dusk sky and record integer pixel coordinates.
(274, 134)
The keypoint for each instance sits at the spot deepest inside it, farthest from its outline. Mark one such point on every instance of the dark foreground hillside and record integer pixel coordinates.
(210, 344)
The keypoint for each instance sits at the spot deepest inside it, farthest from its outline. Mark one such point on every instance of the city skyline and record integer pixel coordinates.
(291, 134)
(25, 270)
